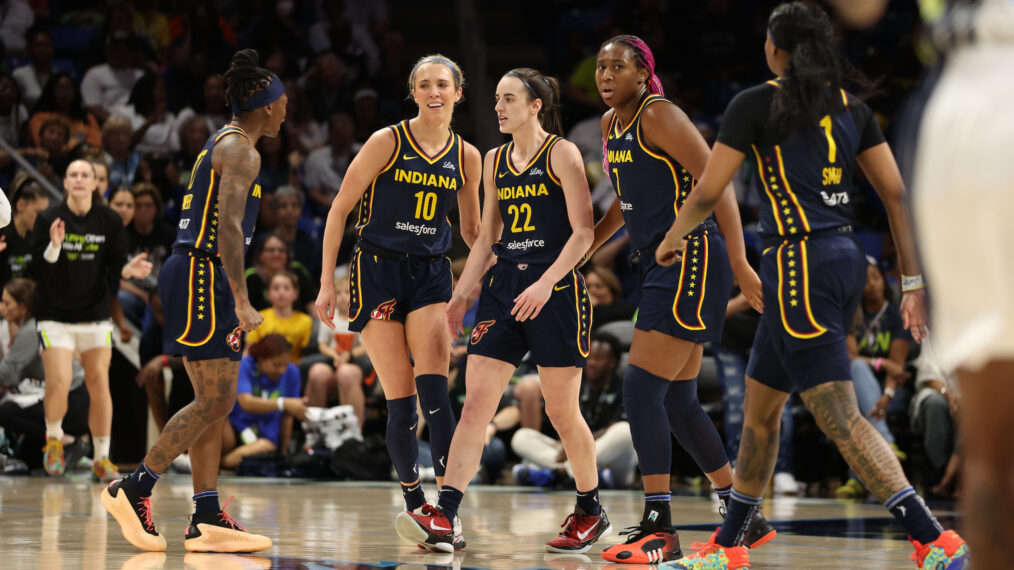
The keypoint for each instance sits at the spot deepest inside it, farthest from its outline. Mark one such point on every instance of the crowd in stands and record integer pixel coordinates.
(133, 87)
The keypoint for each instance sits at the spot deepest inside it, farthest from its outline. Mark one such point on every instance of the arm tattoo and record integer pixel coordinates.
(241, 164)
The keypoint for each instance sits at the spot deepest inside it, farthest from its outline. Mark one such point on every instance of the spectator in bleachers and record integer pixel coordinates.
(305, 250)
(303, 131)
(284, 317)
(60, 97)
(606, 297)
(51, 157)
(267, 400)
(121, 158)
(326, 85)
(325, 167)
(32, 77)
(335, 32)
(122, 200)
(271, 256)
(101, 174)
(16, 17)
(348, 376)
(601, 403)
(108, 85)
(878, 347)
(210, 106)
(934, 415)
(146, 233)
(154, 126)
(201, 42)
(27, 199)
(21, 370)
(277, 165)
(151, 24)
(365, 108)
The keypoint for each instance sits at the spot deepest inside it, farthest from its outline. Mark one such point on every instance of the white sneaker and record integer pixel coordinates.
(182, 463)
(786, 484)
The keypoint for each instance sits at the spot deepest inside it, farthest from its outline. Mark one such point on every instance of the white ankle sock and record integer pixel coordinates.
(54, 430)
(101, 447)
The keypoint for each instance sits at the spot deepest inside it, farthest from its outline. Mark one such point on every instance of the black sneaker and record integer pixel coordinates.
(758, 532)
(218, 532)
(133, 512)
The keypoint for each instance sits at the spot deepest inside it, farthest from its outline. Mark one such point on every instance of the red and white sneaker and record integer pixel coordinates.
(429, 529)
(579, 532)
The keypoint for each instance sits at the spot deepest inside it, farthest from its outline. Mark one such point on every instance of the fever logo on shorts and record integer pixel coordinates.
(480, 330)
(384, 310)
(233, 339)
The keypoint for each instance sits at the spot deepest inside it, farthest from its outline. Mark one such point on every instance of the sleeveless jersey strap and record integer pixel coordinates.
(549, 162)
(231, 130)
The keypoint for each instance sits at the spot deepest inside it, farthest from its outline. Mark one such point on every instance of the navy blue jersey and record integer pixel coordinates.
(532, 207)
(405, 208)
(198, 226)
(646, 182)
(805, 175)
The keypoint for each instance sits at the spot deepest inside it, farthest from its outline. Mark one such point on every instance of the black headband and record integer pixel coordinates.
(527, 86)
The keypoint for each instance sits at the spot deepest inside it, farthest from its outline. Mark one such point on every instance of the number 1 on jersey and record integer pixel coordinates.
(832, 149)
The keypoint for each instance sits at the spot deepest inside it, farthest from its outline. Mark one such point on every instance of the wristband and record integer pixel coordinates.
(889, 392)
(911, 283)
(165, 360)
(52, 253)
(281, 404)
(876, 363)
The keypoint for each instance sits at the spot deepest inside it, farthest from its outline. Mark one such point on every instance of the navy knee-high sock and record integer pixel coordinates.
(914, 516)
(403, 447)
(643, 395)
(692, 427)
(436, 407)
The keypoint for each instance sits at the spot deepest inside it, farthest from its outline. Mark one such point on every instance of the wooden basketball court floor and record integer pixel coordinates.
(60, 523)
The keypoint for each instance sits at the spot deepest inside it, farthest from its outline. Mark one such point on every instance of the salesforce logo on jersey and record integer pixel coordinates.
(415, 229)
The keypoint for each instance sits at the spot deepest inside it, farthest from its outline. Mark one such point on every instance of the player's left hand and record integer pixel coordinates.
(670, 250)
(750, 285)
(138, 266)
(915, 313)
(529, 303)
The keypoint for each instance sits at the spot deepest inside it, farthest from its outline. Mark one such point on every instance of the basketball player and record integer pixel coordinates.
(536, 225)
(806, 134)
(206, 306)
(653, 153)
(405, 180)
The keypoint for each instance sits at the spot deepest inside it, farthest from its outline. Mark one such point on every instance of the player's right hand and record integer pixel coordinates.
(57, 232)
(325, 306)
(249, 318)
(455, 314)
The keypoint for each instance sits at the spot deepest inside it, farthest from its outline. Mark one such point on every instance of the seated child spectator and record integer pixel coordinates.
(267, 401)
(281, 318)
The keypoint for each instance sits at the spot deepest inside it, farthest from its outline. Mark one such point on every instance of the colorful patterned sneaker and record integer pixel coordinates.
(218, 532)
(133, 513)
(579, 532)
(429, 528)
(103, 470)
(948, 552)
(52, 457)
(646, 543)
(712, 556)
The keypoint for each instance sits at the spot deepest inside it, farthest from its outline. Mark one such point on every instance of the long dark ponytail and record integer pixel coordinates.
(815, 72)
(547, 89)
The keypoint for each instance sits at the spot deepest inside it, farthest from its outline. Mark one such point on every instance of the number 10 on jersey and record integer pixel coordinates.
(425, 205)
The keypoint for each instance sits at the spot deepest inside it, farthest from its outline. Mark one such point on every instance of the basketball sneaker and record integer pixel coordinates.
(52, 457)
(712, 556)
(429, 528)
(579, 532)
(945, 553)
(458, 541)
(133, 513)
(758, 532)
(218, 532)
(647, 543)
(103, 470)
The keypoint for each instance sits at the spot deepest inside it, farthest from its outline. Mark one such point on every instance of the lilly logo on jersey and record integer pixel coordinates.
(232, 339)
(536, 172)
(616, 156)
(481, 328)
(426, 179)
(629, 137)
(450, 166)
(384, 310)
(515, 192)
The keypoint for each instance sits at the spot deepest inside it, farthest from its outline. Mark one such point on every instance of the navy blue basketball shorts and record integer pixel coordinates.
(558, 337)
(199, 310)
(387, 286)
(812, 289)
(687, 300)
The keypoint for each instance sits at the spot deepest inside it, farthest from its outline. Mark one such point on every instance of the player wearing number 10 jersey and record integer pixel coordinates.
(404, 181)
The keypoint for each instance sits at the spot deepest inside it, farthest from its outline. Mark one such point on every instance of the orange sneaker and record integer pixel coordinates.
(52, 457)
(103, 471)
(948, 552)
(218, 532)
(712, 556)
(133, 512)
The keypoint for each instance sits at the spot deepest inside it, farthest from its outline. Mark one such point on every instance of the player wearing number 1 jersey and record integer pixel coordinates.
(405, 180)
(806, 135)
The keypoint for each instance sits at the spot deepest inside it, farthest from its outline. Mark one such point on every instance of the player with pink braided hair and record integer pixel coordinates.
(653, 154)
